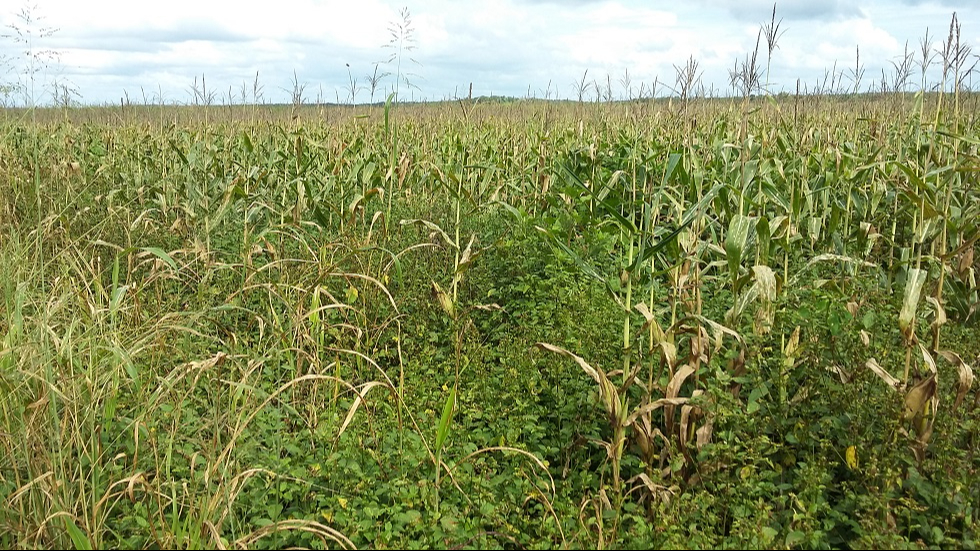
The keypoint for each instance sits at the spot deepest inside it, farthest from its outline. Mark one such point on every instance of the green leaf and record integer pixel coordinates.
(183, 158)
(754, 397)
(583, 265)
(690, 216)
(447, 414)
(247, 142)
(388, 101)
(518, 215)
(116, 299)
(162, 255)
(78, 538)
(318, 215)
(868, 321)
(607, 208)
(794, 538)
(367, 174)
(764, 235)
(274, 510)
(736, 242)
(673, 160)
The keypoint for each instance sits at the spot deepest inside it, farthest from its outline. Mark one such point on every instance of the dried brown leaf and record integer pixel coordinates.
(966, 375)
(653, 406)
(589, 370)
(704, 433)
(919, 396)
(873, 365)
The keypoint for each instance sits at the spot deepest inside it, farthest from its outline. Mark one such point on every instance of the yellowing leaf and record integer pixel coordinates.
(851, 456)
(789, 351)
(445, 301)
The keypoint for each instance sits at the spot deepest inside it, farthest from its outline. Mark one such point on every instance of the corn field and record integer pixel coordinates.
(686, 323)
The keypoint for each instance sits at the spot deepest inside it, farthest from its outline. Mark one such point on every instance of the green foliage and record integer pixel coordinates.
(275, 333)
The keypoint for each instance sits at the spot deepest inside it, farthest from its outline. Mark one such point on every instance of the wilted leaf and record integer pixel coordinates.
(489, 307)
(608, 393)
(644, 310)
(653, 406)
(673, 389)
(719, 330)
(361, 394)
(444, 300)
(872, 364)
(928, 359)
(658, 336)
(591, 371)
(919, 396)
(704, 433)
(432, 226)
(940, 313)
(669, 353)
(467, 257)
(965, 262)
(966, 375)
(657, 492)
(674, 386)
(792, 345)
(910, 300)
(765, 282)
(843, 375)
(684, 428)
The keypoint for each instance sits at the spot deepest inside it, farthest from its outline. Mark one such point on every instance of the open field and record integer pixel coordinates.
(705, 323)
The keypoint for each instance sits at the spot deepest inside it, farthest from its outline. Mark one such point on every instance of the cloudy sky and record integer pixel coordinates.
(111, 48)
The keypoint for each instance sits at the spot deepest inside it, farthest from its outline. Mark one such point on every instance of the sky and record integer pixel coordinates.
(106, 50)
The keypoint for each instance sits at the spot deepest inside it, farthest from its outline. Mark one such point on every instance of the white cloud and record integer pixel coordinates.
(503, 46)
